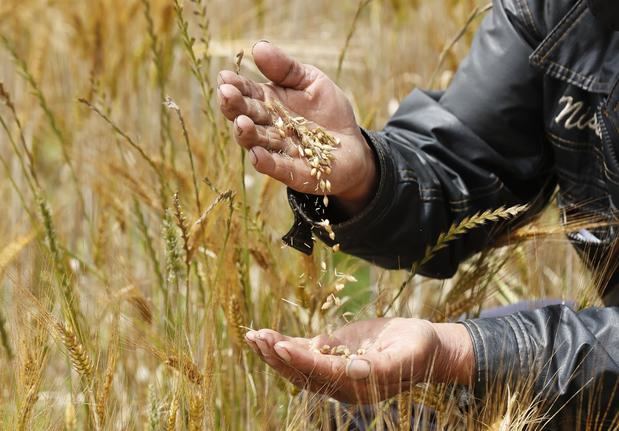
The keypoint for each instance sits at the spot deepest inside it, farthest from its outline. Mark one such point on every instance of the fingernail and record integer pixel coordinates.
(282, 352)
(358, 369)
(251, 335)
(220, 80)
(221, 95)
(239, 131)
(261, 40)
(252, 157)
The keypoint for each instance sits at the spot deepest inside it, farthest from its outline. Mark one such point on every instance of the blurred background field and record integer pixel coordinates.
(128, 278)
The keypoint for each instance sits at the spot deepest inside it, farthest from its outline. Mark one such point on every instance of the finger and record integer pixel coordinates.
(248, 135)
(252, 345)
(293, 172)
(269, 338)
(266, 340)
(263, 342)
(247, 87)
(280, 68)
(318, 367)
(232, 104)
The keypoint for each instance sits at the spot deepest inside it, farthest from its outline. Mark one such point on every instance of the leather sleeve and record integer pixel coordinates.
(571, 359)
(444, 156)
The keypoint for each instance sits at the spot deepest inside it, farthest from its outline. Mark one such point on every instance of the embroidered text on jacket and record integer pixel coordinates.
(574, 116)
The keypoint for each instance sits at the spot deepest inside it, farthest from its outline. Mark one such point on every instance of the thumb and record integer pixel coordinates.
(358, 369)
(280, 68)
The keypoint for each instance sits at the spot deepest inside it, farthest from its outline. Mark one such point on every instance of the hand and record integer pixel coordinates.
(396, 354)
(304, 91)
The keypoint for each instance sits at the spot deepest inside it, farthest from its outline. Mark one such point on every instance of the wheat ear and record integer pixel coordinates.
(455, 231)
(77, 353)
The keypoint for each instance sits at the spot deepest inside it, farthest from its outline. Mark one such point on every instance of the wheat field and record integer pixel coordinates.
(137, 246)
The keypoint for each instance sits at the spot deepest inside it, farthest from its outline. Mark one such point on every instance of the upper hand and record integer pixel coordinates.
(397, 354)
(305, 91)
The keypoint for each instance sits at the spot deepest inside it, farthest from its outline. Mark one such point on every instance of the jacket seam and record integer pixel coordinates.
(527, 16)
(587, 144)
(519, 347)
(527, 340)
(560, 35)
(563, 73)
(478, 349)
(490, 187)
(467, 201)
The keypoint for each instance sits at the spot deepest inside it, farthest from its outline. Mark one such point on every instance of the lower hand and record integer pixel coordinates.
(389, 356)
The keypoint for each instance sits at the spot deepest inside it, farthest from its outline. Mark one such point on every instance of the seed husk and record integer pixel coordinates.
(314, 144)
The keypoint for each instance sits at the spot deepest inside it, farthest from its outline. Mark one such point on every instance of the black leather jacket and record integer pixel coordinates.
(533, 106)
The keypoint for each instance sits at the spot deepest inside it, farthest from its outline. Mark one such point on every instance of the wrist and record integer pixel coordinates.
(362, 191)
(455, 360)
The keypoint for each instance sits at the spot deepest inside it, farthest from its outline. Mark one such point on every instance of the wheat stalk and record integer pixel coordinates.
(120, 132)
(38, 93)
(351, 31)
(25, 410)
(158, 61)
(170, 104)
(29, 173)
(477, 12)
(32, 371)
(455, 231)
(148, 244)
(104, 392)
(70, 300)
(197, 64)
(197, 229)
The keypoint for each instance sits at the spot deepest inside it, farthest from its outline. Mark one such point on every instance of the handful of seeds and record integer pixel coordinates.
(341, 350)
(313, 143)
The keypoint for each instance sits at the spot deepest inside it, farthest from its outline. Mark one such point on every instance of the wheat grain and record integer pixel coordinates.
(196, 412)
(234, 314)
(25, 410)
(187, 368)
(238, 58)
(70, 419)
(153, 413)
(172, 411)
(404, 411)
(77, 353)
(314, 144)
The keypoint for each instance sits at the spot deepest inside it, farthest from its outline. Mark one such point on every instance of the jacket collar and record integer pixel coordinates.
(579, 50)
(606, 12)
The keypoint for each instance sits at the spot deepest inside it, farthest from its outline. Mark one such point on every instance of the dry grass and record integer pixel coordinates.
(133, 235)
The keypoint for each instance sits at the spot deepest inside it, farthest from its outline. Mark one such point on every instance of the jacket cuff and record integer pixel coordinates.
(503, 354)
(309, 209)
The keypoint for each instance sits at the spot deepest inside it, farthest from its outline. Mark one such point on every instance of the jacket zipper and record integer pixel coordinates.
(606, 140)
